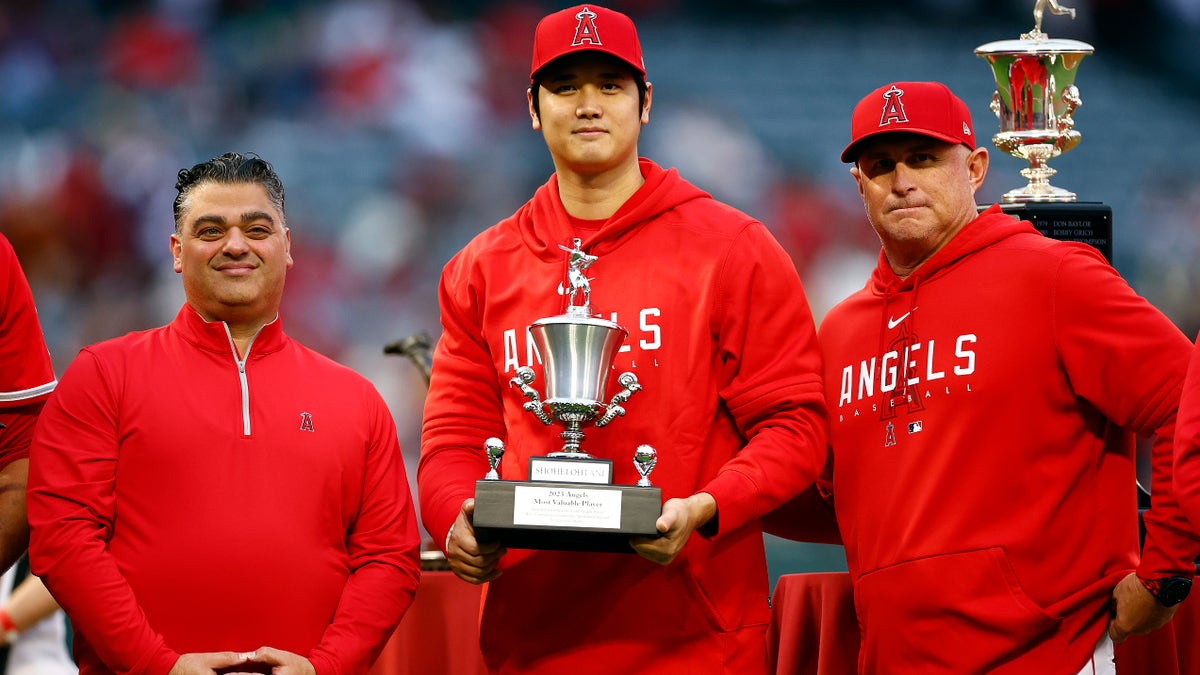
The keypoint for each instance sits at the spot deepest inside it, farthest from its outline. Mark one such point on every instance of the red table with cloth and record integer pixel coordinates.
(813, 631)
(439, 634)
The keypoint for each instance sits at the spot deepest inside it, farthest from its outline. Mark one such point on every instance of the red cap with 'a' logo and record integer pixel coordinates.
(586, 28)
(926, 108)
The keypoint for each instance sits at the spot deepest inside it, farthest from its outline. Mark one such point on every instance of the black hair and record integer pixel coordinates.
(231, 167)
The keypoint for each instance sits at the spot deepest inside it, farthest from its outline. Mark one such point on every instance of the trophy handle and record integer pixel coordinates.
(534, 405)
(613, 410)
(1070, 97)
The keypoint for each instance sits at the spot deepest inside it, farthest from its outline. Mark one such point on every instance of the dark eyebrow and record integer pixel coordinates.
(208, 220)
(247, 217)
(251, 216)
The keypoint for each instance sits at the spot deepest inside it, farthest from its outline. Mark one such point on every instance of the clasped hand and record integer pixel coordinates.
(261, 660)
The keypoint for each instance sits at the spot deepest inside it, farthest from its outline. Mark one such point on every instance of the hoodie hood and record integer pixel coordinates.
(543, 222)
(987, 228)
(898, 325)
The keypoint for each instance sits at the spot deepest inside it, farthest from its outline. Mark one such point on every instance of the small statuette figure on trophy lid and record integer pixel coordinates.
(577, 281)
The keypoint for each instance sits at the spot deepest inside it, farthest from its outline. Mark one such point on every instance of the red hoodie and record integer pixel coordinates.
(721, 339)
(981, 416)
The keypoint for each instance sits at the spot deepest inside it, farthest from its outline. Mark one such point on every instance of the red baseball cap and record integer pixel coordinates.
(926, 108)
(586, 28)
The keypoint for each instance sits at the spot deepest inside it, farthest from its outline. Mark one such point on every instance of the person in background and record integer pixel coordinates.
(721, 339)
(984, 391)
(210, 495)
(36, 633)
(26, 381)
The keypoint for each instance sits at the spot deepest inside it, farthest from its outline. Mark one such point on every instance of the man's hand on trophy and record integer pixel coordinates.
(470, 560)
(680, 517)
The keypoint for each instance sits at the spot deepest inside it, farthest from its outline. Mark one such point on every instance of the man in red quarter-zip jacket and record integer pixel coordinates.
(984, 389)
(720, 338)
(211, 496)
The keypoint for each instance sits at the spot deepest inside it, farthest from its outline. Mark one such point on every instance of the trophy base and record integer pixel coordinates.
(1038, 193)
(565, 516)
(1085, 222)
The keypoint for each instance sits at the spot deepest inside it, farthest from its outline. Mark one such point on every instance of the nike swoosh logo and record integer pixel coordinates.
(892, 323)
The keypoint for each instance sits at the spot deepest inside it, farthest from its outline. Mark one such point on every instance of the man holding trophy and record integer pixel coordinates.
(617, 264)
(984, 390)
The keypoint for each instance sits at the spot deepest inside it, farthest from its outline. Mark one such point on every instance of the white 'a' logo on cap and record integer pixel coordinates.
(893, 107)
(585, 30)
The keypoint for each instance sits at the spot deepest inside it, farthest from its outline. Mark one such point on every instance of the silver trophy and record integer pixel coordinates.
(570, 501)
(577, 351)
(1035, 100)
(645, 459)
(494, 447)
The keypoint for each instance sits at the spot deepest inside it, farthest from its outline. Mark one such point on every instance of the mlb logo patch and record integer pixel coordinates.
(915, 427)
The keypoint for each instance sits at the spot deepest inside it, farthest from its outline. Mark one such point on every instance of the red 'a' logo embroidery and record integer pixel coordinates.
(306, 423)
(893, 107)
(585, 31)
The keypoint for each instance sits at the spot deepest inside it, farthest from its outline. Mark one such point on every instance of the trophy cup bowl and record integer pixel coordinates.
(1034, 100)
(577, 353)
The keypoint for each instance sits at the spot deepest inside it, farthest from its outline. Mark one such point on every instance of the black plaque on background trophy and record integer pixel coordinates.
(1086, 222)
(569, 501)
(1035, 100)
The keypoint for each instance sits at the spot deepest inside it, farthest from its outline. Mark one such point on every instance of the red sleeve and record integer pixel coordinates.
(1187, 442)
(1128, 360)
(17, 432)
(26, 374)
(384, 550)
(774, 389)
(809, 516)
(462, 407)
(73, 460)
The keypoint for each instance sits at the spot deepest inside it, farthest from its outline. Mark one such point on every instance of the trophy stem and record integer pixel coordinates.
(1039, 188)
(572, 437)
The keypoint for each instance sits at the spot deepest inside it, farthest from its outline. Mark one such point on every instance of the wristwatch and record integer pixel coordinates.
(1169, 591)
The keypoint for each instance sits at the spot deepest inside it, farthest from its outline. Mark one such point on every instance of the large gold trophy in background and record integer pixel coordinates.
(1035, 101)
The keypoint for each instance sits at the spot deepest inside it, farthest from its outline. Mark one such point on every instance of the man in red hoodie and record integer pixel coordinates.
(721, 340)
(984, 389)
(210, 495)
